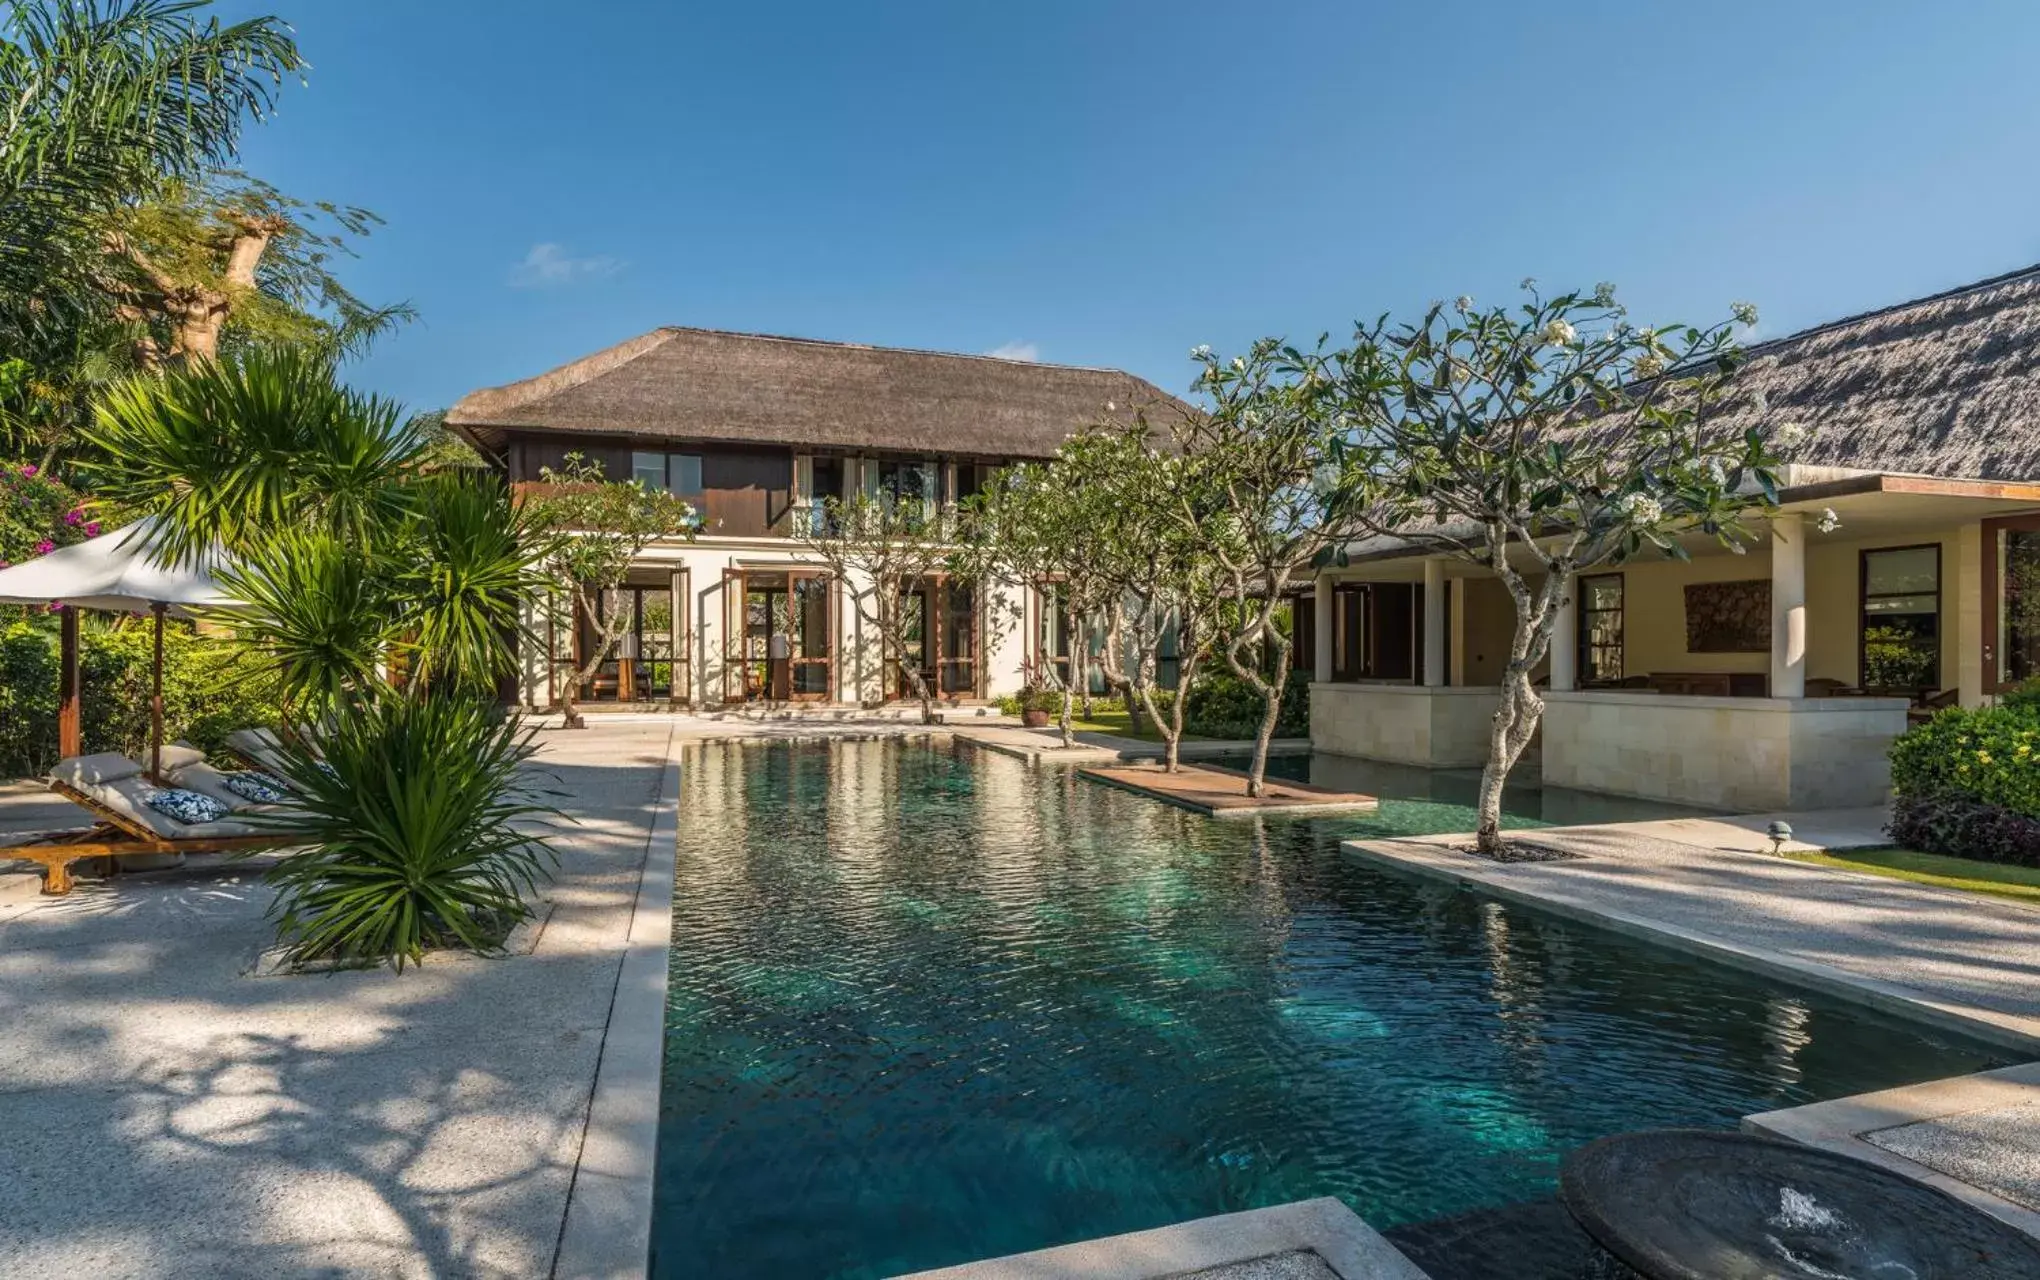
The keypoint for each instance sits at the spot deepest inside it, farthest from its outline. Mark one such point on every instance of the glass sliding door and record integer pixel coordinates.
(810, 626)
(2011, 586)
(957, 668)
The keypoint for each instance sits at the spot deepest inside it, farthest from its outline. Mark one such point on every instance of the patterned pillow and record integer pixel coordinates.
(260, 787)
(188, 807)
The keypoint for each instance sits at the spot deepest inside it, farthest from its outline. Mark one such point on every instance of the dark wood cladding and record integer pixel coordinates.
(746, 493)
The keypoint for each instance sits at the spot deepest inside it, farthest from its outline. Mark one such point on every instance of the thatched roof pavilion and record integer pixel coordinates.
(709, 385)
(1945, 386)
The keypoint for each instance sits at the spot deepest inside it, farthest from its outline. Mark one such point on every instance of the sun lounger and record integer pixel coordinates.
(112, 789)
(259, 748)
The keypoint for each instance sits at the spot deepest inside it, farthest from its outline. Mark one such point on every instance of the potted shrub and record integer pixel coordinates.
(1037, 705)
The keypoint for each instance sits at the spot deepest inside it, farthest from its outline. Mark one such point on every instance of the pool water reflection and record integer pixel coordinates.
(930, 1005)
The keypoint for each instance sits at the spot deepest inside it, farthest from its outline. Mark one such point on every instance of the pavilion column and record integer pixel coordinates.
(70, 713)
(1788, 606)
(1434, 623)
(1565, 640)
(1321, 631)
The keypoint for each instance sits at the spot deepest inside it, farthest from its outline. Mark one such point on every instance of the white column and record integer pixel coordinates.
(1321, 631)
(682, 639)
(1788, 606)
(1434, 623)
(1565, 641)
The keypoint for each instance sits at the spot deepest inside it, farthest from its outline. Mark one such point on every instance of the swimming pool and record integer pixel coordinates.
(930, 1004)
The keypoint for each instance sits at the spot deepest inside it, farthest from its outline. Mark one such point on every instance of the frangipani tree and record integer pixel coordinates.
(593, 529)
(1555, 435)
(1272, 487)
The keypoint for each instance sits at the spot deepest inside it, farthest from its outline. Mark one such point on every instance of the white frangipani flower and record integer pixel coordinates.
(1648, 365)
(1604, 294)
(1791, 436)
(1829, 521)
(1464, 302)
(1239, 364)
(1738, 548)
(1641, 508)
(1202, 351)
(1745, 314)
(1559, 333)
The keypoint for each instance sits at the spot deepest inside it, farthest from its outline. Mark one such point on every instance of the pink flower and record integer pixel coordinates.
(92, 529)
(44, 547)
(28, 472)
(54, 607)
(74, 515)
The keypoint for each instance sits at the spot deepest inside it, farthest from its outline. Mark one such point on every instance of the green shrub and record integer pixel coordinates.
(210, 689)
(1031, 698)
(1967, 783)
(1224, 706)
(410, 807)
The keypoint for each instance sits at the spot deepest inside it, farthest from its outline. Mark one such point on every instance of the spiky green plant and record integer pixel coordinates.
(474, 561)
(319, 611)
(410, 808)
(227, 452)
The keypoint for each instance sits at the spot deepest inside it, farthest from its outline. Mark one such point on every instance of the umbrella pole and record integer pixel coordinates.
(70, 721)
(156, 702)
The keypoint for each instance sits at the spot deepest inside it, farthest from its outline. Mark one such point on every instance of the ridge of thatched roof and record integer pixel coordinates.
(1945, 385)
(712, 385)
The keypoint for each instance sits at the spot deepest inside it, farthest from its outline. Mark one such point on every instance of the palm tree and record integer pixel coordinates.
(227, 451)
(100, 100)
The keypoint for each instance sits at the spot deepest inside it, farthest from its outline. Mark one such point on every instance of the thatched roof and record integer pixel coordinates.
(1947, 385)
(741, 388)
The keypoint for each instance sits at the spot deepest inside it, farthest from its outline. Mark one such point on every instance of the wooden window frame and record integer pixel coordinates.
(1863, 609)
(1992, 572)
(1583, 632)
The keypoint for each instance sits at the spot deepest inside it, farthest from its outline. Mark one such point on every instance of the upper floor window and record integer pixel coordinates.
(901, 481)
(674, 472)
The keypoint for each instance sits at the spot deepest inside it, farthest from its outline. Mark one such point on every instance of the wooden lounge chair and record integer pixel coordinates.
(110, 788)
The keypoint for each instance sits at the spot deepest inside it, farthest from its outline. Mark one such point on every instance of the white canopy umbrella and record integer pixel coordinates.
(114, 572)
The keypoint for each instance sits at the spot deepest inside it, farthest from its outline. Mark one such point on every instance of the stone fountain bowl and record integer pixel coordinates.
(1678, 1204)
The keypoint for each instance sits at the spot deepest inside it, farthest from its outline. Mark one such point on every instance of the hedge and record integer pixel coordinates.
(210, 689)
(1967, 783)
(1224, 706)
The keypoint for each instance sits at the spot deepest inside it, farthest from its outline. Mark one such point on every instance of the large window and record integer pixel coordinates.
(1600, 630)
(674, 472)
(1901, 632)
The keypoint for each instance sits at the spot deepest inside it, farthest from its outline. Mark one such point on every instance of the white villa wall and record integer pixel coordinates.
(857, 674)
(1444, 727)
(1744, 754)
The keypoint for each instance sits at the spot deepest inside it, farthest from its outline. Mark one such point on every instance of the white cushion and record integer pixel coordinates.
(179, 755)
(87, 771)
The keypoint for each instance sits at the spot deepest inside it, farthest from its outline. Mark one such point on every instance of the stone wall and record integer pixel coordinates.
(1407, 724)
(1741, 754)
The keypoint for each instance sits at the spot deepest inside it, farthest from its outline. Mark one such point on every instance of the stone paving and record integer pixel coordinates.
(163, 1114)
(1961, 960)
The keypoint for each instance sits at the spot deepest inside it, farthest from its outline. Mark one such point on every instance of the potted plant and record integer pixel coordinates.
(1037, 705)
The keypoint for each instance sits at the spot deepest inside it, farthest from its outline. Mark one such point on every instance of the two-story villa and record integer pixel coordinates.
(753, 430)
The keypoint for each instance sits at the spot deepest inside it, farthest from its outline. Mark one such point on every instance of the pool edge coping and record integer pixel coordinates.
(1886, 997)
(1323, 1226)
(606, 1229)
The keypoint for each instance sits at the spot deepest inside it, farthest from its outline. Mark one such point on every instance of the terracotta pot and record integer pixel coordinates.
(1034, 718)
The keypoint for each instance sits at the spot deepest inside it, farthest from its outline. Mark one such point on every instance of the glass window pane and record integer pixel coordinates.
(648, 469)
(686, 469)
(1908, 571)
(2018, 621)
(1604, 593)
(1903, 604)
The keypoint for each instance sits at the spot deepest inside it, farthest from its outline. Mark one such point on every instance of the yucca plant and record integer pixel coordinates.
(411, 809)
(466, 564)
(317, 609)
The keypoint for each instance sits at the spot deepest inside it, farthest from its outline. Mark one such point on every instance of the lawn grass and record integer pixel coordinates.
(2019, 884)
(1111, 717)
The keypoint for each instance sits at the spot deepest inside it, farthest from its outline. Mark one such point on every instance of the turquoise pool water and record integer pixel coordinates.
(930, 1005)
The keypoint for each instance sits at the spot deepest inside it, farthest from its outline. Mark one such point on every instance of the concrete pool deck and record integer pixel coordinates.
(1963, 961)
(162, 1112)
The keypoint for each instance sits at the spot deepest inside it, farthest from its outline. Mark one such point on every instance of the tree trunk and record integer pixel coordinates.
(605, 640)
(1271, 712)
(1515, 724)
(1069, 738)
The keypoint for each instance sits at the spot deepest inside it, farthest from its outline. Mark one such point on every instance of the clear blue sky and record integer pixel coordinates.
(1112, 183)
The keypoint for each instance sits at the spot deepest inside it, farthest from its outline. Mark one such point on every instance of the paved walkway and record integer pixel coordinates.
(1959, 959)
(161, 1114)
